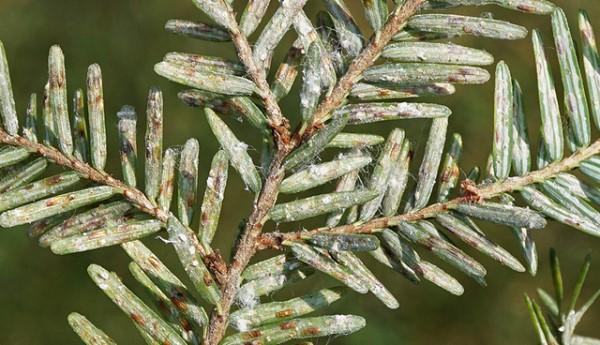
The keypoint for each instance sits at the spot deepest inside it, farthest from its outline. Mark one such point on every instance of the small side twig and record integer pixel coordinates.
(367, 57)
(278, 122)
(483, 192)
(133, 195)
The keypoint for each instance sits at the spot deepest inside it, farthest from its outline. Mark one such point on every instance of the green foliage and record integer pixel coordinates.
(85, 208)
(563, 317)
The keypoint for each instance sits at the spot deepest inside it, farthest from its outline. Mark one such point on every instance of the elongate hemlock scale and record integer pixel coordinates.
(143, 316)
(88, 333)
(274, 31)
(187, 181)
(31, 119)
(186, 244)
(431, 163)
(320, 204)
(552, 128)
(327, 265)
(95, 101)
(23, 174)
(381, 173)
(317, 143)
(236, 150)
(37, 190)
(203, 80)
(164, 305)
(168, 282)
(368, 92)
(252, 15)
(79, 125)
(527, 6)
(320, 326)
(7, 102)
(105, 237)
(436, 53)
(167, 177)
(503, 122)
(455, 25)
(450, 171)
(249, 318)
(591, 63)
(153, 143)
(108, 214)
(57, 80)
(55, 205)
(316, 175)
(575, 96)
(127, 126)
(210, 210)
(197, 30)
(345, 183)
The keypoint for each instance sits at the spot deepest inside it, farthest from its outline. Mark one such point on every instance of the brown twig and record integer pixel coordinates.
(246, 249)
(279, 123)
(483, 192)
(268, 196)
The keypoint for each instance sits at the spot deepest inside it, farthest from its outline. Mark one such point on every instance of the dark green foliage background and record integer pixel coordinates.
(38, 289)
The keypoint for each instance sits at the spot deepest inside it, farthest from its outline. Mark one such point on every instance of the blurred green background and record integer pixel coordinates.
(126, 37)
